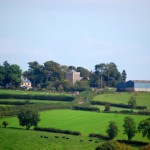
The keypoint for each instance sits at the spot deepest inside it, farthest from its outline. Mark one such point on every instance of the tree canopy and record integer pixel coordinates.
(10, 75)
(129, 127)
(144, 128)
(28, 118)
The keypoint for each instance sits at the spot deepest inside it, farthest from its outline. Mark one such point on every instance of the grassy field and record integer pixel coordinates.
(102, 108)
(13, 139)
(142, 98)
(85, 122)
(3, 91)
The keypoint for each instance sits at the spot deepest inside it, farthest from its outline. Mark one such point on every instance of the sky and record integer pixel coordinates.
(81, 33)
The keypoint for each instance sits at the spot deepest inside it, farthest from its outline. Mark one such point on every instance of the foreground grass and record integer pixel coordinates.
(142, 98)
(84, 122)
(13, 139)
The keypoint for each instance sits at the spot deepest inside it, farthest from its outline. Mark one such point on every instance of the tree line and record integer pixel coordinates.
(52, 76)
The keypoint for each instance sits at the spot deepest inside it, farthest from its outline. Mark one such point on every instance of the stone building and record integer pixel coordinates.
(73, 76)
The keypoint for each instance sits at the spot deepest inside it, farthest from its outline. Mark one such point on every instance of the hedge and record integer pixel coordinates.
(15, 103)
(38, 97)
(116, 105)
(100, 136)
(57, 131)
(86, 108)
(140, 143)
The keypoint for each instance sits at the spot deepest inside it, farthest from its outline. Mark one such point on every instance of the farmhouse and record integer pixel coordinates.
(25, 83)
(73, 76)
(134, 85)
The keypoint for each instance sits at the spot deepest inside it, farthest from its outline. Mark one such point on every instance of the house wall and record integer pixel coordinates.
(73, 76)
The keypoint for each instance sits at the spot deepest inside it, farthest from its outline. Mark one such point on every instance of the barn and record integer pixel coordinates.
(134, 85)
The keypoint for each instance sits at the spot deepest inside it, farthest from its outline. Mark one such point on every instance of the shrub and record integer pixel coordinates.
(112, 145)
(86, 108)
(39, 97)
(100, 136)
(4, 124)
(57, 131)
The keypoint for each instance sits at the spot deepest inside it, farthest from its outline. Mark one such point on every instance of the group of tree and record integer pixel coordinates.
(130, 128)
(52, 76)
(10, 75)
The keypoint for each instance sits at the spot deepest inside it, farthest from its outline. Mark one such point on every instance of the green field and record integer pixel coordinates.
(85, 122)
(142, 98)
(13, 139)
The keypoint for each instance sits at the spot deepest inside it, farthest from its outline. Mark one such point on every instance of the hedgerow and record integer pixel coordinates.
(57, 131)
(38, 97)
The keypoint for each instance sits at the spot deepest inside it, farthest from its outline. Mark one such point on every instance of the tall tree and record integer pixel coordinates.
(144, 128)
(35, 73)
(99, 70)
(52, 71)
(28, 118)
(72, 68)
(10, 75)
(112, 130)
(129, 127)
(84, 73)
(124, 75)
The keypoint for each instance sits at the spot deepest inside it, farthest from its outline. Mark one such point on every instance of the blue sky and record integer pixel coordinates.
(77, 32)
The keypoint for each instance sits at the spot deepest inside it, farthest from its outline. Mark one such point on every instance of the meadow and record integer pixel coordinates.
(142, 98)
(14, 139)
(85, 122)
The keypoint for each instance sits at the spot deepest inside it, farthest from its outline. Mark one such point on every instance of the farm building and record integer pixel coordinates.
(25, 83)
(134, 85)
(73, 76)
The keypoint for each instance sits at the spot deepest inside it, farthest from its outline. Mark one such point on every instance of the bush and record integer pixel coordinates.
(86, 108)
(116, 105)
(57, 131)
(38, 97)
(139, 143)
(100, 136)
(113, 145)
(4, 124)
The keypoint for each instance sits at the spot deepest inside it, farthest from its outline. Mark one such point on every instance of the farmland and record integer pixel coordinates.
(21, 139)
(142, 98)
(85, 122)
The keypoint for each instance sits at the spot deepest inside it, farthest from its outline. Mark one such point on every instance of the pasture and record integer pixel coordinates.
(14, 139)
(84, 122)
(142, 98)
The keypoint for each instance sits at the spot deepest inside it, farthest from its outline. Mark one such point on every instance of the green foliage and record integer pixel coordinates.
(129, 127)
(57, 130)
(57, 97)
(106, 74)
(132, 102)
(28, 118)
(4, 124)
(112, 145)
(144, 128)
(10, 75)
(124, 75)
(100, 136)
(112, 130)
(86, 108)
(107, 107)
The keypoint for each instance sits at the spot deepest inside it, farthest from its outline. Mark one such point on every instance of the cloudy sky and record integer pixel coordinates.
(77, 32)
